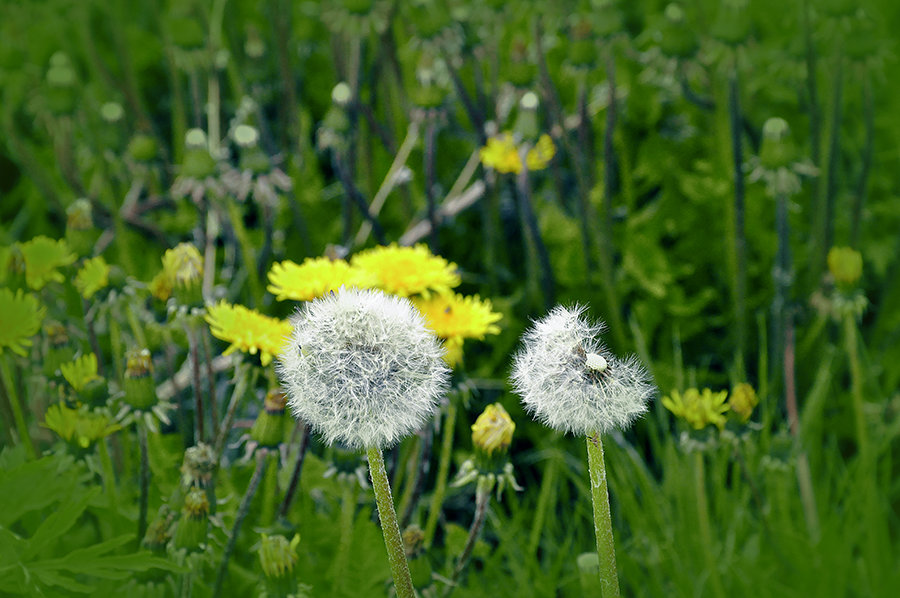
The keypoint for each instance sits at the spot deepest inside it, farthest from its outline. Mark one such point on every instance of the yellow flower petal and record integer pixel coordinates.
(313, 278)
(247, 330)
(407, 271)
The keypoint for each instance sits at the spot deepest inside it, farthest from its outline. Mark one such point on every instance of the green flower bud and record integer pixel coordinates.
(742, 401)
(732, 25)
(278, 557)
(492, 434)
(845, 265)
(268, 429)
(143, 148)
(677, 40)
(140, 391)
(777, 149)
(419, 565)
(184, 266)
(81, 234)
(198, 466)
(159, 532)
(194, 523)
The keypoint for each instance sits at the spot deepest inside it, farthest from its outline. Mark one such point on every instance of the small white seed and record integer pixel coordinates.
(596, 362)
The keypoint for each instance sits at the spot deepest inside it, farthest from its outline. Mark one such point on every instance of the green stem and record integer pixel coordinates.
(389, 527)
(109, 476)
(144, 481)
(606, 548)
(18, 411)
(548, 487)
(348, 511)
(298, 468)
(482, 499)
(244, 508)
(703, 523)
(738, 246)
(437, 498)
(856, 377)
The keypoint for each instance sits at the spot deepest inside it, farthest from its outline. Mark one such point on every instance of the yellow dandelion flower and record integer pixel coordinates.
(20, 318)
(698, 409)
(247, 330)
(501, 154)
(78, 426)
(313, 278)
(845, 264)
(43, 257)
(456, 316)
(93, 276)
(742, 401)
(540, 155)
(79, 372)
(493, 430)
(183, 264)
(407, 271)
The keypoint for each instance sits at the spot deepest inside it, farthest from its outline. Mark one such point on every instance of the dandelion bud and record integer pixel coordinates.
(184, 266)
(742, 401)
(845, 265)
(194, 523)
(732, 25)
(777, 150)
(414, 546)
(571, 382)
(278, 557)
(677, 38)
(362, 368)
(492, 433)
(140, 391)
(198, 466)
(143, 148)
(159, 532)
(527, 125)
(198, 162)
(268, 429)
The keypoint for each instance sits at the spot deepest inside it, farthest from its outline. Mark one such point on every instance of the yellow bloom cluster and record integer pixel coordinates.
(247, 330)
(407, 271)
(313, 278)
(93, 276)
(698, 408)
(79, 427)
(502, 155)
(43, 257)
(20, 318)
(702, 408)
(79, 372)
(454, 318)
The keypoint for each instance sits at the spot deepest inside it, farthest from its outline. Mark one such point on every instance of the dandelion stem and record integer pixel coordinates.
(243, 509)
(389, 527)
(606, 548)
(295, 476)
(739, 244)
(482, 499)
(704, 526)
(239, 388)
(144, 481)
(859, 199)
(856, 377)
(419, 474)
(195, 374)
(210, 382)
(533, 233)
(18, 412)
(437, 498)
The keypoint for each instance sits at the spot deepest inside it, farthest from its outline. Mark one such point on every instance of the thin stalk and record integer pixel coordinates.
(243, 509)
(192, 332)
(92, 336)
(210, 381)
(533, 232)
(440, 488)
(430, 182)
(270, 491)
(109, 475)
(411, 471)
(482, 500)
(606, 547)
(704, 525)
(421, 474)
(859, 198)
(18, 412)
(548, 488)
(738, 246)
(298, 468)
(237, 224)
(239, 388)
(348, 511)
(852, 347)
(144, 481)
(389, 527)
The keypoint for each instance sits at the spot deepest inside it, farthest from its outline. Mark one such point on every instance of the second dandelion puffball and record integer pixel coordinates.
(570, 381)
(362, 368)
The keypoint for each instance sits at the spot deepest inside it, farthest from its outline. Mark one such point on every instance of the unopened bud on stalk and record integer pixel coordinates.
(81, 234)
(414, 546)
(198, 163)
(142, 148)
(194, 523)
(184, 266)
(732, 25)
(268, 429)
(845, 265)
(677, 38)
(492, 434)
(278, 557)
(198, 466)
(742, 401)
(140, 391)
(777, 150)
(159, 532)
(527, 120)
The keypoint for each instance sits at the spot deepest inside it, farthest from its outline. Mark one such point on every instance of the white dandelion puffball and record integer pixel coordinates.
(570, 381)
(362, 368)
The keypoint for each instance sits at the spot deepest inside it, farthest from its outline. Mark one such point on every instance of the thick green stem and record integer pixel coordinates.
(606, 548)
(704, 526)
(389, 527)
(144, 481)
(437, 499)
(244, 508)
(18, 412)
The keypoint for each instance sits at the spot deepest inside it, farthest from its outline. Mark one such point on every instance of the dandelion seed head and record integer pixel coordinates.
(570, 381)
(362, 368)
